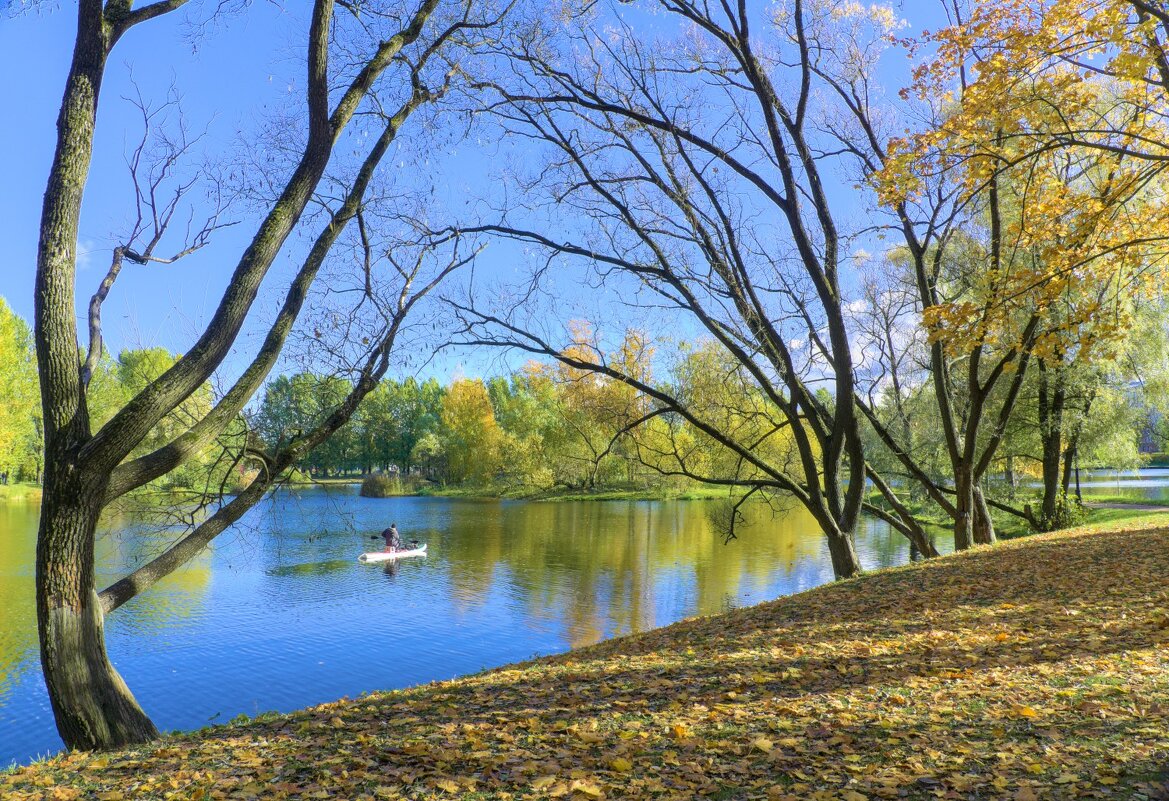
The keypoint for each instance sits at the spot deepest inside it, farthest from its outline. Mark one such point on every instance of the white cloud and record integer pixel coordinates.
(86, 249)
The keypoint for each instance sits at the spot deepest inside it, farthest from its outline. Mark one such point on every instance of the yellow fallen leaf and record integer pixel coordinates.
(762, 744)
(621, 764)
(540, 782)
(853, 795)
(251, 790)
(110, 795)
(448, 785)
(587, 788)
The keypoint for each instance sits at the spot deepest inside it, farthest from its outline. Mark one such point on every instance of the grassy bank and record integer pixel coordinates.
(20, 492)
(564, 494)
(389, 487)
(1034, 670)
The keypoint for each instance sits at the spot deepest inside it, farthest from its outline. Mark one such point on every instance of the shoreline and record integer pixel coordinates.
(19, 492)
(510, 494)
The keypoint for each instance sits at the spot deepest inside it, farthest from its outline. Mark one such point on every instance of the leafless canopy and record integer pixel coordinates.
(696, 153)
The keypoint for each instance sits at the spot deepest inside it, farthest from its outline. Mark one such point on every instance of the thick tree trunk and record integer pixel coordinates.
(983, 529)
(842, 549)
(963, 509)
(91, 703)
(93, 707)
(1051, 481)
(1051, 433)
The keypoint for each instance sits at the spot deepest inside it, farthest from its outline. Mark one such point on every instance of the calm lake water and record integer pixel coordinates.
(1150, 483)
(278, 614)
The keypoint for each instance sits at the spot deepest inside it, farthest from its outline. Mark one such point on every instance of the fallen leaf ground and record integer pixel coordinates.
(1033, 670)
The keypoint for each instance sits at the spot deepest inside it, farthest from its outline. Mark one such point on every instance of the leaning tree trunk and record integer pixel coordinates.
(920, 541)
(93, 707)
(983, 528)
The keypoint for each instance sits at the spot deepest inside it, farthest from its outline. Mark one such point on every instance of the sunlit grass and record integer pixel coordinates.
(20, 492)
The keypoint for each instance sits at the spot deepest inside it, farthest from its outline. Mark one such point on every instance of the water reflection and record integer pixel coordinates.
(278, 614)
(18, 639)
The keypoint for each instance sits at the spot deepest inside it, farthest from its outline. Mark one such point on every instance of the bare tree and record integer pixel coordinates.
(700, 168)
(404, 64)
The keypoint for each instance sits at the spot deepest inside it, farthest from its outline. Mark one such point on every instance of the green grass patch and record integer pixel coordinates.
(20, 492)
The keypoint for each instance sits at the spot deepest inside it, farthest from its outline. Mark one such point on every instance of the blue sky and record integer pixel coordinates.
(231, 77)
(228, 77)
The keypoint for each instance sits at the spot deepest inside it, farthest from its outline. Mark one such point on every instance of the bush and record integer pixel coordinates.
(1068, 513)
(381, 486)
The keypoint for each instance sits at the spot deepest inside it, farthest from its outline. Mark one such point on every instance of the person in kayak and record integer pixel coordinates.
(393, 540)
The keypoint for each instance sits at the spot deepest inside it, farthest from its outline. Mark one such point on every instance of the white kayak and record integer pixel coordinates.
(381, 556)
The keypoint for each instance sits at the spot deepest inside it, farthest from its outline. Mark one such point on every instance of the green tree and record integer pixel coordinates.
(19, 399)
(528, 410)
(415, 409)
(429, 455)
(471, 437)
(295, 404)
(598, 412)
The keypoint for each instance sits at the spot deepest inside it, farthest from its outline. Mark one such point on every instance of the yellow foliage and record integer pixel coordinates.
(1053, 113)
(473, 438)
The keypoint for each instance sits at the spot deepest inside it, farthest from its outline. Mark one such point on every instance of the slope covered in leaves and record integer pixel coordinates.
(1032, 670)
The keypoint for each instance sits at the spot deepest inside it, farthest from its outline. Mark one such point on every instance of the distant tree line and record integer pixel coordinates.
(542, 426)
(114, 381)
(550, 425)
(20, 418)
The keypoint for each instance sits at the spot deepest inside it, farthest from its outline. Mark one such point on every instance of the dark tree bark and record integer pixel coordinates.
(84, 471)
(91, 703)
(1052, 397)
